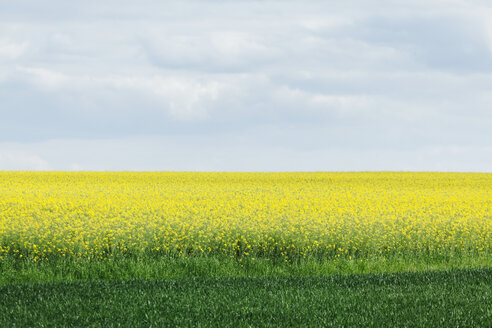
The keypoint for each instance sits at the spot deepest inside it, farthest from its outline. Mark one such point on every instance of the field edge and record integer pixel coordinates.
(18, 271)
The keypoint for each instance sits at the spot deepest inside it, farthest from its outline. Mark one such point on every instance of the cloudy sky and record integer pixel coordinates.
(246, 85)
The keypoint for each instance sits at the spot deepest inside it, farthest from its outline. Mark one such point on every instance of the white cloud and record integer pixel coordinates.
(18, 160)
(43, 77)
(238, 44)
(325, 23)
(12, 50)
(483, 16)
(184, 98)
(76, 167)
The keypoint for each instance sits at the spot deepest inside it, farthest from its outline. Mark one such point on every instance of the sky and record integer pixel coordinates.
(208, 85)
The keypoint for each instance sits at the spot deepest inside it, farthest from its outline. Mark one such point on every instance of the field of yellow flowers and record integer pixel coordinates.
(103, 215)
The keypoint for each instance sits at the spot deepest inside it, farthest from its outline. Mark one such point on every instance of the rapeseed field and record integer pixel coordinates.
(287, 216)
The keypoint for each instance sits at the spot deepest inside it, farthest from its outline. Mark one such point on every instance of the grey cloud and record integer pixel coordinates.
(449, 43)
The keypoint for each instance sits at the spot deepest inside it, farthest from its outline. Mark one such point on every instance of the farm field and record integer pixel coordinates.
(213, 249)
(456, 298)
(339, 219)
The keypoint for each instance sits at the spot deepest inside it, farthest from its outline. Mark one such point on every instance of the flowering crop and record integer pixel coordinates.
(47, 215)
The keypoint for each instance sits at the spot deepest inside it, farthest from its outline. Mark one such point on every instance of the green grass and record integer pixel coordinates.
(454, 298)
(66, 270)
(220, 291)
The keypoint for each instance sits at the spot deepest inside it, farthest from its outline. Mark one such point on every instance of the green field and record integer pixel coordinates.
(456, 298)
(16, 271)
